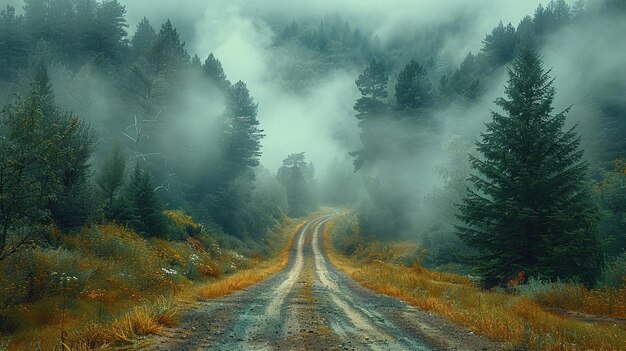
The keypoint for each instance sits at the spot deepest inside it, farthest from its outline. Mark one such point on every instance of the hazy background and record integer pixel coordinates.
(320, 120)
(306, 96)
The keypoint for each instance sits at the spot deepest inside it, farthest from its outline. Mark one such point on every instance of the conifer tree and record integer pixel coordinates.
(295, 176)
(143, 38)
(110, 29)
(499, 45)
(142, 205)
(370, 107)
(74, 151)
(243, 136)
(168, 53)
(213, 70)
(529, 209)
(372, 84)
(43, 156)
(413, 89)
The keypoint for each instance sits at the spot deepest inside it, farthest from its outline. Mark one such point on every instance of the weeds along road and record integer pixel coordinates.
(312, 306)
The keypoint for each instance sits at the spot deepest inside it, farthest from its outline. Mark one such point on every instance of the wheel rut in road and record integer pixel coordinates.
(310, 305)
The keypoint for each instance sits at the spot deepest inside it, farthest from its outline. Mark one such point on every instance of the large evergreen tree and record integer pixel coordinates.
(243, 135)
(370, 107)
(529, 210)
(413, 89)
(372, 84)
(73, 164)
(241, 150)
(41, 164)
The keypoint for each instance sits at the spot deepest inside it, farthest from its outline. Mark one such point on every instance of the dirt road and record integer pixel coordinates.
(312, 306)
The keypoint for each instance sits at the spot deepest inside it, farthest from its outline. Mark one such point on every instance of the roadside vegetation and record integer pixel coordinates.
(533, 316)
(107, 286)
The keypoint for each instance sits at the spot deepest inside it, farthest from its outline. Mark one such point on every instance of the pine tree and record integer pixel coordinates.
(295, 176)
(37, 153)
(413, 89)
(465, 81)
(372, 84)
(72, 162)
(370, 108)
(143, 38)
(241, 149)
(525, 33)
(499, 45)
(243, 136)
(143, 208)
(22, 153)
(110, 30)
(168, 53)
(529, 210)
(213, 70)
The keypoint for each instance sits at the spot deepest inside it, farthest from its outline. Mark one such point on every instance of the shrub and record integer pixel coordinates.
(576, 297)
(553, 293)
(184, 221)
(347, 234)
(614, 273)
(28, 276)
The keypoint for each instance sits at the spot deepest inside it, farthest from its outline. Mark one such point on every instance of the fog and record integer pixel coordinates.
(306, 96)
(320, 120)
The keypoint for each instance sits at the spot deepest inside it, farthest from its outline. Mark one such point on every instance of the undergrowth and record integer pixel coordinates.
(520, 319)
(107, 285)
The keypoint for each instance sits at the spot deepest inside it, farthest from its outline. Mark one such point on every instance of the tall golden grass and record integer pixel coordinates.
(126, 286)
(504, 317)
(249, 277)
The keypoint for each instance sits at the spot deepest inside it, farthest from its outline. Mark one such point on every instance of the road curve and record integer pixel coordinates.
(310, 305)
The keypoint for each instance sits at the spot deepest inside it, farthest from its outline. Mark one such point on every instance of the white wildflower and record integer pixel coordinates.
(169, 271)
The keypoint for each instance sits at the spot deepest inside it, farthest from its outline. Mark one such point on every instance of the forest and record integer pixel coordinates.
(136, 135)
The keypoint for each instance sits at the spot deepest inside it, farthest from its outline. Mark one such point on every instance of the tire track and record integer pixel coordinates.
(311, 305)
(361, 318)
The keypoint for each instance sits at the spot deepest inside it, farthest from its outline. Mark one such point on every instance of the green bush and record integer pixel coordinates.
(346, 236)
(614, 273)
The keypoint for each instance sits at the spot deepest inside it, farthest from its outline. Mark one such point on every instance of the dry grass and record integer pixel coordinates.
(105, 285)
(147, 319)
(610, 302)
(248, 277)
(499, 316)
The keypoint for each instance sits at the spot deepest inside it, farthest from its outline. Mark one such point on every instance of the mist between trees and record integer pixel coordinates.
(107, 119)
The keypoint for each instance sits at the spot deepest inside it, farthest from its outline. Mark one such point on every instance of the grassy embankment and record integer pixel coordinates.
(107, 286)
(522, 318)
